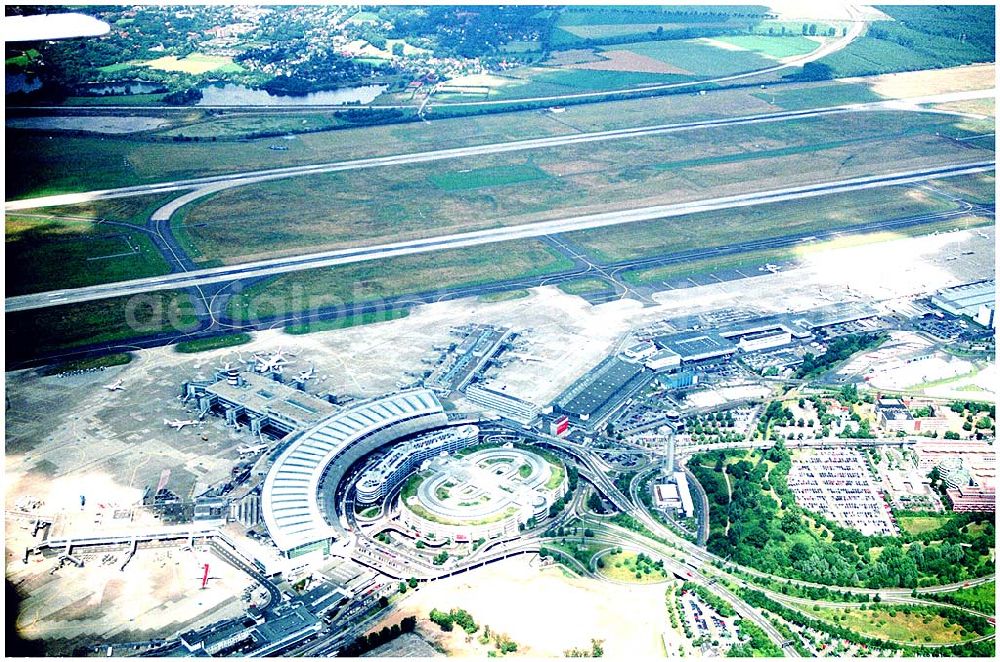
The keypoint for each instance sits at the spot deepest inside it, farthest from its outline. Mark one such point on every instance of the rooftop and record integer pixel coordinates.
(266, 396)
(291, 511)
(694, 345)
(592, 391)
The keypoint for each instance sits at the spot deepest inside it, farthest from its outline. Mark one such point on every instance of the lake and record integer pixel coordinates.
(240, 95)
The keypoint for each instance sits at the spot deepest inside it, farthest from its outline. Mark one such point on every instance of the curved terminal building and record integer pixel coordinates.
(379, 480)
(299, 489)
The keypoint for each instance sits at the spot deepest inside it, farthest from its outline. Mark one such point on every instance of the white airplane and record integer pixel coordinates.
(245, 451)
(272, 363)
(178, 424)
(307, 374)
(117, 386)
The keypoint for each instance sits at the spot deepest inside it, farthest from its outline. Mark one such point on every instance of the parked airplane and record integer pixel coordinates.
(272, 363)
(246, 451)
(117, 386)
(307, 374)
(178, 424)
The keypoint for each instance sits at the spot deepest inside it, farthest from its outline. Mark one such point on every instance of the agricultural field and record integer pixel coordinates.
(196, 63)
(596, 23)
(773, 47)
(34, 332)
(700, 57)
(354, 208)
(543, 81)
(371, 282)
(919, 38)
(899, 624)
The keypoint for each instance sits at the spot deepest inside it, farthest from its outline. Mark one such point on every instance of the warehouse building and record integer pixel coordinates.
(696, 345)
(761, 340)
(664, 359)
(893, 414)
(589, 399)
(968, 300)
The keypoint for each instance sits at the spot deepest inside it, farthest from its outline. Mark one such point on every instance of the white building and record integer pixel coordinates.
(506, 405)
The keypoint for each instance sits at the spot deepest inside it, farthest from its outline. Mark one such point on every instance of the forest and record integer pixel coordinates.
(760, 526)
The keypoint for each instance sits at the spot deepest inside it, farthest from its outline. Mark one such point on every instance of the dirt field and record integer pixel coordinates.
(572, 56)
(986, 107)
(628, 61)
(931, 81)
(543, 611)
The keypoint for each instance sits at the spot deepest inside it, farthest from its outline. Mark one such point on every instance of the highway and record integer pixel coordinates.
(199, 187)
(277, 266)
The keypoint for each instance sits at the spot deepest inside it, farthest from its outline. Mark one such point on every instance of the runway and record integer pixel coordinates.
(348, 256)
(203, 186)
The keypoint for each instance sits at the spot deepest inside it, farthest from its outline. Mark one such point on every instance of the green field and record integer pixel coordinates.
(776, 47)
(374, 281)
(347, 321)
(463, 180)
(69, 163)
(240, 125)
(117, 67)
(33, 332)
(699, 58)
(978, 189)
(836, 94)
(543, 81)
(585, 286)
(116, 100)
(507, 295)
(44, 254)
(61, 163)
(981, 598)
(353, 208)
(215, 342)
(106, 361)
(922, 625)
(51, 248)
(624, 566)
(919, 38)
(707, 229)
(915, 524)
